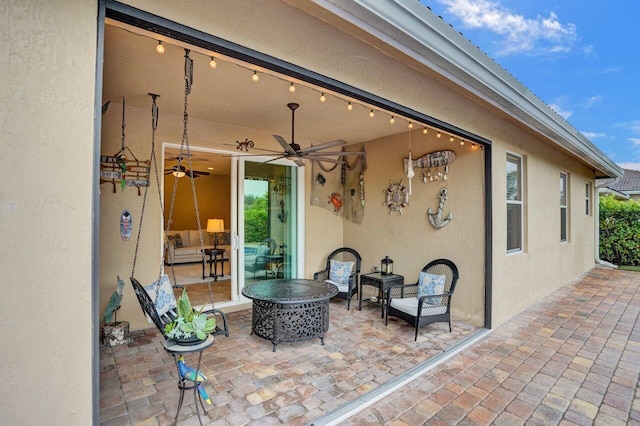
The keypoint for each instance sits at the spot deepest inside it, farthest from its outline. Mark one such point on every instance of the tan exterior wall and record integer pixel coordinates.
(47, 70)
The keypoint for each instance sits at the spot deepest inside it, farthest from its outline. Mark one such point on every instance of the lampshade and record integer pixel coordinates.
(215, 225)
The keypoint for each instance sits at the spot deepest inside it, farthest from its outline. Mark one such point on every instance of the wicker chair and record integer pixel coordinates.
(149, 308)
(259, 261)
(402, 301)
(343, 254)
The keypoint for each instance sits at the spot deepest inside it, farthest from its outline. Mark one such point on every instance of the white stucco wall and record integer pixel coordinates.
(47, 70)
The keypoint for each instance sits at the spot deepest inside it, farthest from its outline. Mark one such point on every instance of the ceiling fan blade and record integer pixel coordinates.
(311, 154)
(287, 148)
(274, 159)
(325, 159)
(299, 162)
(325, 145)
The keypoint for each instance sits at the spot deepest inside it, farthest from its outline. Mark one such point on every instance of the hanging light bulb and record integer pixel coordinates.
(212, 63)
(160, 47)
(371, 114)
(461, 142)
(439, 135)
(349, 106)
(450, 138)
(410, 125)
(392, 120)
(322, 97)
(292, 88)
(425, 131)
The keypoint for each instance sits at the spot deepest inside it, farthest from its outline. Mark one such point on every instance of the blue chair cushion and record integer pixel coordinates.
(339, 272)
(428, 285)
(166, 299)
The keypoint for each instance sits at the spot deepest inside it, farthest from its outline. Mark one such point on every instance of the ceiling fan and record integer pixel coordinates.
(294, 152)
(180, 171)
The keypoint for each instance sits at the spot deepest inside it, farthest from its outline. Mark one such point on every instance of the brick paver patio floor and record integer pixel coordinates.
(573, 358)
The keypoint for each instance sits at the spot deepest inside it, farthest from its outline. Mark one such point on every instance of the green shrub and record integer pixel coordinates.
(620, 231)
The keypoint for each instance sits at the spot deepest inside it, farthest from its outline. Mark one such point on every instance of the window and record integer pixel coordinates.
(587, 199)
(514, 203)
(563, 206)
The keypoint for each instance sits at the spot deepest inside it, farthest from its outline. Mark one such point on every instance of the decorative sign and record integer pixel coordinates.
(438, 160)
(117, 169)
(125, 225)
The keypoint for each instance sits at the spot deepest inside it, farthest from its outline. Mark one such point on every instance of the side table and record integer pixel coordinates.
(183, 384)
(381, 282)
(216, 255)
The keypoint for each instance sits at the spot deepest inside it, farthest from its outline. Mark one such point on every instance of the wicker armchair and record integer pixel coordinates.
(149, 308)
(402, 301)
(343, 254)
(259, 261)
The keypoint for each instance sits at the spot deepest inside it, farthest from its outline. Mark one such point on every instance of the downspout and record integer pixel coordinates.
(599, 262)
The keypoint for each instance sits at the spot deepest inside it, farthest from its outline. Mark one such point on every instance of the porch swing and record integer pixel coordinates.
(163, 310)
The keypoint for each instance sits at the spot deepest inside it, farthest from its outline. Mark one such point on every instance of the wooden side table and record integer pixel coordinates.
(183, 384)
(381, 282)
(216, 255)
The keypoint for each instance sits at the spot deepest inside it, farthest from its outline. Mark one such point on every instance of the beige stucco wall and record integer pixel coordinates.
(47, 70)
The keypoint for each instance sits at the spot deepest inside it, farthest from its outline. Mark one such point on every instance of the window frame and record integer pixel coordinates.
(517, 159)
(564, 207)
(588, 206)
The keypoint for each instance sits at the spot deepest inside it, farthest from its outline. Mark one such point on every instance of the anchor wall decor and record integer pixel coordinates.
(436, 218)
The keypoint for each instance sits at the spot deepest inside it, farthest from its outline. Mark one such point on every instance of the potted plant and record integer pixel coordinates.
(190, 326)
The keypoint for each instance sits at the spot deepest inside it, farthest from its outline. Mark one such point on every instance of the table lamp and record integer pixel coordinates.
(214, 226)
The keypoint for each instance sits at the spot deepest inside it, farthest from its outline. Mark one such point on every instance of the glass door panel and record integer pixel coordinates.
(269, 236)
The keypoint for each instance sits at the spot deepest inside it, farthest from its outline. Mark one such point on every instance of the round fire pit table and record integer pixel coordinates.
(290, 310)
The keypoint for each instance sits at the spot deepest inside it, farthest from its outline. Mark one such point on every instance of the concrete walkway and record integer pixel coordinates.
(573, 359)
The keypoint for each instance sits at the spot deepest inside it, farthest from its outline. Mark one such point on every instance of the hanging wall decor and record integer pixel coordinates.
(397, 197)
(340, 188)
(436, 165)
(125, 225)
(118, 168)
(436, 218)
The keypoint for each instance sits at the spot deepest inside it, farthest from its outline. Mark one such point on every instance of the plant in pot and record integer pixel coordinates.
(190, 326)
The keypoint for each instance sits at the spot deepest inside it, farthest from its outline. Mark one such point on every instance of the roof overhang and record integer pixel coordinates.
(411, 28)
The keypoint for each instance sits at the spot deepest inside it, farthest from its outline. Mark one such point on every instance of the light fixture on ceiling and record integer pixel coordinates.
(392, 120)
(349, 106)
(371, 114)
(323, 98)
(212, 63)
(439, 135)
(410, 125)
(160, 47)
(178, 173)
(255, 76)
(292, 88)
(425, 131)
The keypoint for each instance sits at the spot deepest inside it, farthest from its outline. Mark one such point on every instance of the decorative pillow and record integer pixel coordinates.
(176, 240)
(339, 272)
(224, 238)
(429, 284)
(166, 299)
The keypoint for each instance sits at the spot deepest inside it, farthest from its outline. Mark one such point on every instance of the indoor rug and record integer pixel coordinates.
(190, 273)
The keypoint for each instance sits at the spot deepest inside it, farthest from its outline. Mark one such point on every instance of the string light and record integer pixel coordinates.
(160, 49)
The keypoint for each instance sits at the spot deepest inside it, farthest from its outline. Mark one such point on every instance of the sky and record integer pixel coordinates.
(581, 57)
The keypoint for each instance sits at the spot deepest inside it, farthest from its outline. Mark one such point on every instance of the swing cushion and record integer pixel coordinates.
(166, 299)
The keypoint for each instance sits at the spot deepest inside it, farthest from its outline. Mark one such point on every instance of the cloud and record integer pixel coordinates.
(593, 100)
(635, 142)
(593, 135)
(630, 166)
(562, 113)
(520, 34)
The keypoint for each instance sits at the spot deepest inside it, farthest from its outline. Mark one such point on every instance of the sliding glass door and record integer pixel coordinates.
(268, 221)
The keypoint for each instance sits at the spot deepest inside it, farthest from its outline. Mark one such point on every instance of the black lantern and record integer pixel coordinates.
(386, 266)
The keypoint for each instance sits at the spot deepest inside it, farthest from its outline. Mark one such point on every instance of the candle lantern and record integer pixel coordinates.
(386, 266)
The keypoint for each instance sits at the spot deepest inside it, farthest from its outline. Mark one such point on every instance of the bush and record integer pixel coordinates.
(620, 231)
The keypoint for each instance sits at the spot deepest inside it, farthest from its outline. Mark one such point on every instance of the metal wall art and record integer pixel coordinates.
(436, 163)
(397, 197)
(436, 218)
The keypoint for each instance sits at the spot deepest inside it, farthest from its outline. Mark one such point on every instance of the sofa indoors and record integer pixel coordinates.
(184, 246)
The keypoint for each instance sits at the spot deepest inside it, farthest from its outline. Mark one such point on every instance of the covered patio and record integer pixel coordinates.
(249, 383)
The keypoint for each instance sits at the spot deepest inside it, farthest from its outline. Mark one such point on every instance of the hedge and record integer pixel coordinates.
(620, 231)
